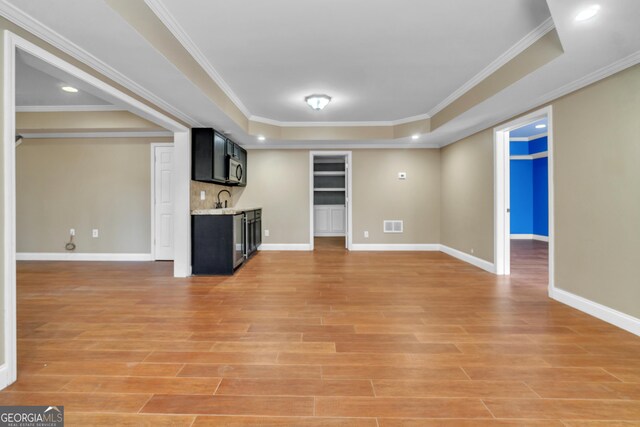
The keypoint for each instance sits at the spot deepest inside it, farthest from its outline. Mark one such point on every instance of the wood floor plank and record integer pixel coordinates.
(229, 405)
(323, 338)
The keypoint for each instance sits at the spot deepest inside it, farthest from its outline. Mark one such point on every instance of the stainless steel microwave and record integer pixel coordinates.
(235, 170)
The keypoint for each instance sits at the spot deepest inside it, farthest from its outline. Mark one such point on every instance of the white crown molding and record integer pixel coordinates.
(72, 256)
(507, 56)
(533, 156)
(528, 138)
(73, 135)
(380, 123)
(161, 11)
(602, 312)
(65, 108)
(35, 27)
(339, 146)
(573, 86)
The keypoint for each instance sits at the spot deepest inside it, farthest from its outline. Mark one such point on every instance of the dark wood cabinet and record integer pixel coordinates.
(221, 243)
(210, 153)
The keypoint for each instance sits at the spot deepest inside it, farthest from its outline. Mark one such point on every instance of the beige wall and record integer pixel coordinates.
(467, 195)
(278, 181)
(378, 194)
(84, 184)
(597, 192)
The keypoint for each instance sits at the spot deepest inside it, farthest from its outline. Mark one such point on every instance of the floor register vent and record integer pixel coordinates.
(393, 226)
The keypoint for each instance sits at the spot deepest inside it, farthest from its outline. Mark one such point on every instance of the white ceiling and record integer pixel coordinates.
(379, 60)
(36, 88)
(102, 36)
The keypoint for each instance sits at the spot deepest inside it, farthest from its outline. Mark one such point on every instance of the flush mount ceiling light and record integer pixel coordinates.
(588, 13)
(261, 138)
(69, 89)
(541, 126)
(318, 102)
(415, 137)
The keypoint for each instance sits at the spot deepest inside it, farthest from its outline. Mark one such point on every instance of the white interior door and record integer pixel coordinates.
(163, 202)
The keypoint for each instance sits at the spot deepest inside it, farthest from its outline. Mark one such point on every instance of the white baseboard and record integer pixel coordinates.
(395, 247)
(529, 237)
(480, 263)
(72, 256)
(602, 312)
(284, 247)
(4, 376)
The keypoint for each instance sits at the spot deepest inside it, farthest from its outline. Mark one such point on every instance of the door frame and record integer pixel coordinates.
(182, 166)
(155, 145)
(348, 195)
(502, 231)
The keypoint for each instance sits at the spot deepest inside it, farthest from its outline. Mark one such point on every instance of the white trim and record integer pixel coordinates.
(349, 193)
(35, 27)
(480, 263)
(602, 312)
(533, 156)
(348, 145)
(395, 247)
(529, 237)
(9, 161)
(65, 108)
(4, 376)
(502, 229)
(527, 138)
(515, 50)
(163, 14)
(330, 234)
(285, 247)
(73, 256)
(154, 145)
(379, 123)
(75, 135)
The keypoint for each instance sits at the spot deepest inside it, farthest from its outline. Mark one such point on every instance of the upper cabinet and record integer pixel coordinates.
(211, 154)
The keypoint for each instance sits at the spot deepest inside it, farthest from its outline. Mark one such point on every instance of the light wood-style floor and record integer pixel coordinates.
(328, 338)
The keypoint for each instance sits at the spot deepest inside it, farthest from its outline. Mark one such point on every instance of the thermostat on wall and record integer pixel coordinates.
(402, 175)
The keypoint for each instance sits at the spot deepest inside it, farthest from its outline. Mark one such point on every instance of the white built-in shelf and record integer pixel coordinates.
(329, 173)
(328, 189)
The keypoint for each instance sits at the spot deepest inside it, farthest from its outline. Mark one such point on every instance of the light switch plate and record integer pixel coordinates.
(202, 195)
(266, 233)
(402, 175)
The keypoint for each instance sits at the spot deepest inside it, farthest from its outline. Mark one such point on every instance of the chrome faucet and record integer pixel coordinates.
(219, 203)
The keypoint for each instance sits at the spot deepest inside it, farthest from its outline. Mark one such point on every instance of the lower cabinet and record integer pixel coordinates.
(329, 220)
(221, 243)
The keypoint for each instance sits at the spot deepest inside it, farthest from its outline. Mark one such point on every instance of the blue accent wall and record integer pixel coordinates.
(521, 197)
(541, 197)
(529, 189)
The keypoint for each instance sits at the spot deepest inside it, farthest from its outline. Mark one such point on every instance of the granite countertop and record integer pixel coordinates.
(223, 211)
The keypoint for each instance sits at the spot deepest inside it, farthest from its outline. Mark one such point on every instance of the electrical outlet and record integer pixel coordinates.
(366, 234)
(471, 250)
(94, 233)
(266, 233)
(202, 195)
(72, 231)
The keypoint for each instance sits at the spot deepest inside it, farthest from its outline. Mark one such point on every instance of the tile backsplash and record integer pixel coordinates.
(211, 191)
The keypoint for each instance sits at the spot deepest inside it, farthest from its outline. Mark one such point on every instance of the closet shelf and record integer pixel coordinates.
(329, 173)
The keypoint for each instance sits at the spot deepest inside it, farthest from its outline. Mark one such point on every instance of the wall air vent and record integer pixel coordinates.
(393, 226)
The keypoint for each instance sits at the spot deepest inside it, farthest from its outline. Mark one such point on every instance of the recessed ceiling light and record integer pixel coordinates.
(69, 89)
(318, 102)
(261, 138)
(415, 137)
(541, 126)
(588, 13)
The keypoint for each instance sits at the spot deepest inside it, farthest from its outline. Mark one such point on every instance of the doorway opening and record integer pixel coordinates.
(524, 197)
(330, 200)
